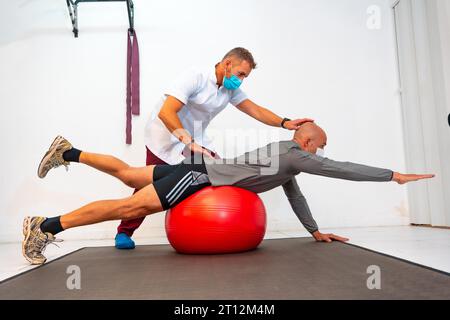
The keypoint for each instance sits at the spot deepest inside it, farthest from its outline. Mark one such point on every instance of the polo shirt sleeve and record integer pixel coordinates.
(237, 97)
(186, 85)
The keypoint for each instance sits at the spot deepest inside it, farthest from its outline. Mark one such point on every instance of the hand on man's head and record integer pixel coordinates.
(295, 124)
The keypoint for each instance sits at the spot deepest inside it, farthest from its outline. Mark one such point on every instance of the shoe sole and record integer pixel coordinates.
(26, 230)
(124, 247)
(51, 151)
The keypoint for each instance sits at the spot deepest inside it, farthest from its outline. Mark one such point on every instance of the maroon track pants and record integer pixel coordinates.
(129, 226)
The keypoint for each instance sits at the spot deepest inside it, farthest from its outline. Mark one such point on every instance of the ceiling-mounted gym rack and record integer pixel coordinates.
(72, 5)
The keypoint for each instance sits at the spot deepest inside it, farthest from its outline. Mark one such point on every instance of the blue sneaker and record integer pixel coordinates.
(123, 241)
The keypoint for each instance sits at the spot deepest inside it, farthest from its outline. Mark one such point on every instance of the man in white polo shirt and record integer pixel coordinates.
(178, 123)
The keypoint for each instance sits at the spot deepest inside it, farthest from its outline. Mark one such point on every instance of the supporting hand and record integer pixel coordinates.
(196, 148)
(327, 237)
(295, 124)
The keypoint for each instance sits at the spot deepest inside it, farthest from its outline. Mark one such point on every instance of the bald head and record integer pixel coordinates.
(310, 137)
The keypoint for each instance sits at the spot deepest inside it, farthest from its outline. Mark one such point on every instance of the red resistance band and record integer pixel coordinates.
(132, 81)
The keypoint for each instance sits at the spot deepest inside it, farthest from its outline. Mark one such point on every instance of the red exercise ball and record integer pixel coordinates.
(217, 220)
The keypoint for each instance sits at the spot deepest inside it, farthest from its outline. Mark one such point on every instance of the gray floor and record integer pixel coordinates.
(280, 269)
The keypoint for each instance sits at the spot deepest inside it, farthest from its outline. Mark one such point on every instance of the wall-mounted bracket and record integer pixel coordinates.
(72, 5)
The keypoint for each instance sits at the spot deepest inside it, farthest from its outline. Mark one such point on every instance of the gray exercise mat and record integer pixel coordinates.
(296, 268)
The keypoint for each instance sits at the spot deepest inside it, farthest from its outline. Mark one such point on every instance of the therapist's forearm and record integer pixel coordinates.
(267, 117)
(173, 124)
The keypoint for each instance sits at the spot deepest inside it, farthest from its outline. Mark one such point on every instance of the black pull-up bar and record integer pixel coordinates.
(72, 5)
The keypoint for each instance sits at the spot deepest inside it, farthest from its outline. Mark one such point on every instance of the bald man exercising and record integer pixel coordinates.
(164, 186)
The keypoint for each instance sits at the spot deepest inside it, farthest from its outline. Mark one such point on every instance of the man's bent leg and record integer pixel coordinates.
(134, 177)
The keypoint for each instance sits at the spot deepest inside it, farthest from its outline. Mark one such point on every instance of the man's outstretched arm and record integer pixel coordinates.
(313, 164)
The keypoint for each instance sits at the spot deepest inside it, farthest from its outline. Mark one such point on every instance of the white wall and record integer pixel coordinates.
(317, 58)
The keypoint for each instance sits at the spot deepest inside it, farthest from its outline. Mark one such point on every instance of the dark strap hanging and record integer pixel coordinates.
(132, 82)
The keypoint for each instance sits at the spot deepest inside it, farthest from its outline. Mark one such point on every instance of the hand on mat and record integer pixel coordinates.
(328, 237)
(405, 178)
(295, 124)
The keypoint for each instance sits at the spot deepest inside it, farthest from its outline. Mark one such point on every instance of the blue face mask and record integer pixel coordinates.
(231, 83)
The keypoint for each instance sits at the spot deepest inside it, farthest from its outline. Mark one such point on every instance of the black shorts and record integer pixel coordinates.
(174, 183)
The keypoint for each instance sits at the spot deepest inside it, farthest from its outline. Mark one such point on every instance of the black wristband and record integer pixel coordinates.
(284, 120)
